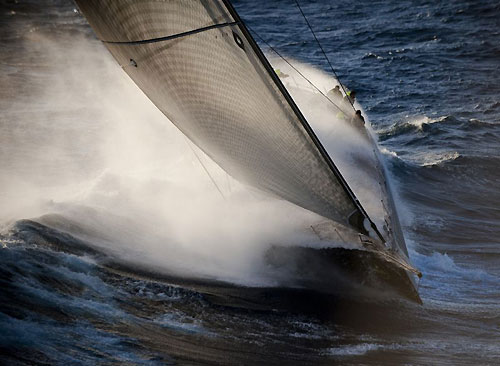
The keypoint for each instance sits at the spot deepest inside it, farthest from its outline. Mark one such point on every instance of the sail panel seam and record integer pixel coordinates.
(173, 36)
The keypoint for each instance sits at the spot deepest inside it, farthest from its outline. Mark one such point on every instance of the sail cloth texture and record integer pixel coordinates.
(212, 85)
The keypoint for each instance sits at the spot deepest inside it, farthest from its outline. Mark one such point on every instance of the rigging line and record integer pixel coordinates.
(173, 36)
(324, 53)
(205, 168)
(293, 67)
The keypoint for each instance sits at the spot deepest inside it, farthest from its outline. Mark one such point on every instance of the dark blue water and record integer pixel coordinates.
(428, 76)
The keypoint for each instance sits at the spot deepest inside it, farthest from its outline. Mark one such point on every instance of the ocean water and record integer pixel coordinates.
(85, 236)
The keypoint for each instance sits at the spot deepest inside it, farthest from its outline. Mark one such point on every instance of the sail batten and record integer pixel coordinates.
(199, 65)
(173, 36)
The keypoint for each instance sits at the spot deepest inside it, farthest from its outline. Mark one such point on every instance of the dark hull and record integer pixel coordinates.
(343, 272)
(307, 280)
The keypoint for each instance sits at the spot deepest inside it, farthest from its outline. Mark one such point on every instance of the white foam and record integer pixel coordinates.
(431, 158)
(389, 153)
(352, 350)
(443, 263)
(182, 323)
(419, 121)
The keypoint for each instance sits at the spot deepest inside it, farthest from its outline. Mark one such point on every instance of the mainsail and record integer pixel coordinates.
(197, 62)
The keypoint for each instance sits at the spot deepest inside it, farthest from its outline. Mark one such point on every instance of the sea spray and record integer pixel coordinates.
(94, 157)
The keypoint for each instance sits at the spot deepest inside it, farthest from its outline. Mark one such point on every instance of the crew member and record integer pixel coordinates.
(335, 92)
(358, 120)
(350, 98)
(281, 74)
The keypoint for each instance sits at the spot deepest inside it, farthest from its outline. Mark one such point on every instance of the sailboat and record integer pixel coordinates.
(198, 63)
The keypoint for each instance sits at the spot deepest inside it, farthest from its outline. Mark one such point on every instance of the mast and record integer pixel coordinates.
(239, 22)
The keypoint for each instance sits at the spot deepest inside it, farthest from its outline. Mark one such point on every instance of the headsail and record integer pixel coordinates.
(199, 65)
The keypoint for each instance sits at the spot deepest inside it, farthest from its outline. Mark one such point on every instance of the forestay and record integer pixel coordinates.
(197, 63)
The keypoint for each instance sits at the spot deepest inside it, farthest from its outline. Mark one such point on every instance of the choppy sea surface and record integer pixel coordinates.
(428, 76)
